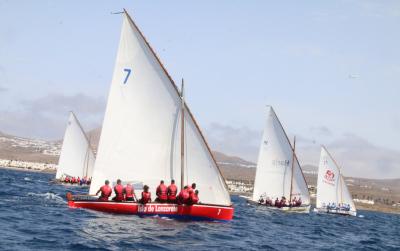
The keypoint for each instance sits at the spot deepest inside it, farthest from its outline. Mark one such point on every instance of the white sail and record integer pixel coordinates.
(274, 177)
(76, 158)
(331, 187)
(140, 139)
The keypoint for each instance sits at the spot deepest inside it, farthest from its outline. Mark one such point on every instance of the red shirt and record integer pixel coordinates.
(171, 191)
(162, 192)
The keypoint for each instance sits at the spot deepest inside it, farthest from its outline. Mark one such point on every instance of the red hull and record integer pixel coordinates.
(194, 212)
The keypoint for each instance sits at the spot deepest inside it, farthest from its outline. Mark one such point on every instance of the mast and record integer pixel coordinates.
(182, 137)
(291, 179)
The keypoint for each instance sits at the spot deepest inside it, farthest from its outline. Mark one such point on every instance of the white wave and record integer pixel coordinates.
(26, 178)
(48, 196)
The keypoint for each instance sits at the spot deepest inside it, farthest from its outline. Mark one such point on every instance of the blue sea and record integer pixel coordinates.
(34, 216)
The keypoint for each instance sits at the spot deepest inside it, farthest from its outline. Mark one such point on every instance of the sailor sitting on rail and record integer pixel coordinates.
(146, 195)
(119, 191)
(105, 191)
(161, 193)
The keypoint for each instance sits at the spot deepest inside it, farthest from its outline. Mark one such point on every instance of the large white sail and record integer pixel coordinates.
(76, 158)
(331, 187)
(274, 177)
(140, 139)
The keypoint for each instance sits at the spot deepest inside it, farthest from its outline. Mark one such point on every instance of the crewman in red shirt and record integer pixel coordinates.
(105, 191)
(146, 195)
(194, 197)
(183, 197)
(119, 191)
(172, 191)
(129, 192)
(161, 192)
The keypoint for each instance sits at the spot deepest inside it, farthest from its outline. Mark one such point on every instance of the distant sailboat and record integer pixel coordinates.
(333, 196)
(149, 134)
(278, 171)
(77, 157)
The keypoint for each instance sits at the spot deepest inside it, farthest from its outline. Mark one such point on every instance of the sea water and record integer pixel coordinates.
(34, 215)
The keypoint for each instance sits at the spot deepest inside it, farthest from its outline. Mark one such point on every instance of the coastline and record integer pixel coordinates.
(25, 169)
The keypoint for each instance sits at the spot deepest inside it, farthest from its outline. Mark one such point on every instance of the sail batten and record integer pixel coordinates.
(77, 157)
(141, 129)
(331, 187)
(277, 159)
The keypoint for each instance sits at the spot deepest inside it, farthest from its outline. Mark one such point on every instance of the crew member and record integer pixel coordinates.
(146, 195)
(183, 196)
(105, 191)
(161, 192)
(129, 192)
(119, 191)
(172, 190)
(194, 197)
(191, 188)
(277, 203)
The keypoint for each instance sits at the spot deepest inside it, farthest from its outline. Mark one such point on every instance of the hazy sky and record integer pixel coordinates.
(330, 69)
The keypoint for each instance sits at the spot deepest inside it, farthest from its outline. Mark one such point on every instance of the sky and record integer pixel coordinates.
(330, 69)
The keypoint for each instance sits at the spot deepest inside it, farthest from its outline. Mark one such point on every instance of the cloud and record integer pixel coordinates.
(321, 131)
(357, 156)
(241, 142)
(59, 104)
(3, 89)
(46, 116)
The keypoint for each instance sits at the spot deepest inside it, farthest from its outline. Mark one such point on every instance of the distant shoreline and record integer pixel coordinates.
(49, 171)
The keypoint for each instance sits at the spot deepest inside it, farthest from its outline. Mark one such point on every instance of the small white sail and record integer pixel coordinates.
(140, 139)
(76, 158)
(274, 177)
(331, 187)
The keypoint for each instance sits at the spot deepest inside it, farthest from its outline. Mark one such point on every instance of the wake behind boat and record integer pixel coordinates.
(279, 182)
(333, 196)
(148, 135)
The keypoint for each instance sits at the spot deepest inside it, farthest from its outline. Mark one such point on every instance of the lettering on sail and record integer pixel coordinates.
(156, 209)
(329, 177)
(280, 163)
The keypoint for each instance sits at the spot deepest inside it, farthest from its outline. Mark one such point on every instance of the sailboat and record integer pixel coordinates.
(278, 171)
(148, 135)
(333, 196)
(77, 157)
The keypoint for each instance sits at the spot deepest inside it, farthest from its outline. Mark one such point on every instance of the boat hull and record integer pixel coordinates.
(335, 211)
(300, 209)
(188, 212)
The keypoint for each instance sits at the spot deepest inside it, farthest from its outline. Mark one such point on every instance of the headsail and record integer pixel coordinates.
(140, 139)
(76, 158)
(274, 177)
(331, 187)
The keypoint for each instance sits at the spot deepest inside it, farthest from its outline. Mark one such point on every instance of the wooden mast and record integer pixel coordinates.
(291, 178)
(182, 137)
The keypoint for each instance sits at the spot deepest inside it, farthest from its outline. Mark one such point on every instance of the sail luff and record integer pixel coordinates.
(178, 93)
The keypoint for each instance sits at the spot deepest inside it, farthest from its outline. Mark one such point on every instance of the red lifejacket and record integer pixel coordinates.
(184, 196)
(146, 197)
(119, 192)
(105, 192)
(73, 180)
(171, 191)
(78, 180)
(190, 190)
(66, 179)
(194, 199)
(162, 192)
(128, 191)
